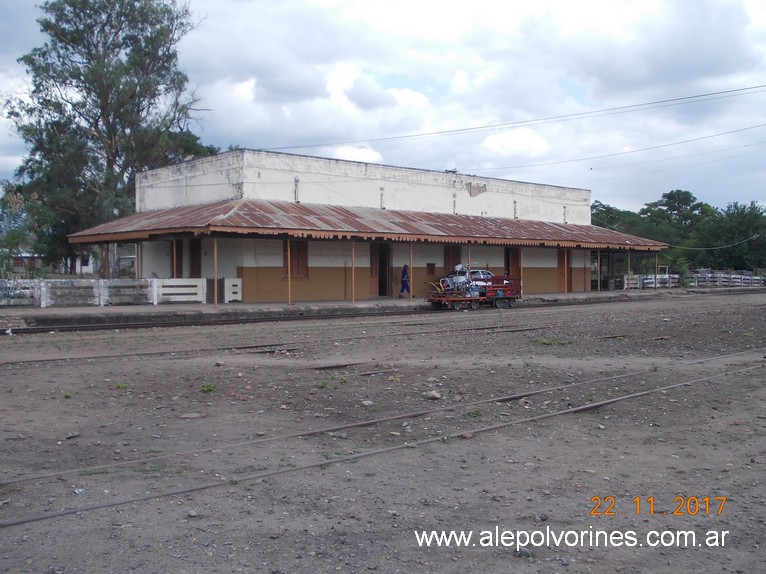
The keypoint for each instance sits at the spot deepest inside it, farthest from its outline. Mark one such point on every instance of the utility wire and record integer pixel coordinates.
(753, 238)
(625, 152)
(549, 119)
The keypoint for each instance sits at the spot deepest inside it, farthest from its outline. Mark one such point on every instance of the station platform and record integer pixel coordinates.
(196, 313)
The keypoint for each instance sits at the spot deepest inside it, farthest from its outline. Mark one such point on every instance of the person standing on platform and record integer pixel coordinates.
(405, 281)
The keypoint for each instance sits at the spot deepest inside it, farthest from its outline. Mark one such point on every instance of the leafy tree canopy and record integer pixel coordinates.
(107, 100)
(735, 239)
(698, 234)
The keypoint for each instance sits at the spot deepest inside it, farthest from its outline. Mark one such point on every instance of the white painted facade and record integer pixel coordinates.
(253, 174)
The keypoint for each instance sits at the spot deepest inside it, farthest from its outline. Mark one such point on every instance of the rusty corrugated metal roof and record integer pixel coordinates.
(264, 218)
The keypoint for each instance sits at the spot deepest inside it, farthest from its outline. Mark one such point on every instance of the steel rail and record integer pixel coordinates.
(197, 320)
(267, 347)
(422, 310)
(350, 457)
(373, 422)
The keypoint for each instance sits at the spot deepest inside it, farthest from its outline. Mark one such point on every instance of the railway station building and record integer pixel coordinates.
(302, 228)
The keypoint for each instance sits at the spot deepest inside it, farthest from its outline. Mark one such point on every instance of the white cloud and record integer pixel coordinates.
(522, 142)
(277, 74)
(367, 94)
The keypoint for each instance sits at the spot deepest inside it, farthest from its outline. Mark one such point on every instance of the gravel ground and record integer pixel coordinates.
(249, 448)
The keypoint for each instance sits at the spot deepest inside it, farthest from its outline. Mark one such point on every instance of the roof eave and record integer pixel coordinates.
(130, 236)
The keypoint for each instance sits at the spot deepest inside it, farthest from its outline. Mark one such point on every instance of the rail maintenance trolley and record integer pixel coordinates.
(465, 289)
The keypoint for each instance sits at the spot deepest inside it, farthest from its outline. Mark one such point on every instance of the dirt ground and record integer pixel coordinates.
(254, 448)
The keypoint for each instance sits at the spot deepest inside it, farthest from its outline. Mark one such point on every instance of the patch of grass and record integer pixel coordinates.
(147, 468)
(207, 388)
(67, 395)
(393, 379)
(475, 413)
(332, 384)
(330, 454)
(123, 386)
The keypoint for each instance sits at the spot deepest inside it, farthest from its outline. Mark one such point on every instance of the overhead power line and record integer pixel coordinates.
(550, 119)
(753, 238)
(625, 152)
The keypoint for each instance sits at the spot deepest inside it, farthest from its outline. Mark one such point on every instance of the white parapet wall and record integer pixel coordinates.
(250, 174)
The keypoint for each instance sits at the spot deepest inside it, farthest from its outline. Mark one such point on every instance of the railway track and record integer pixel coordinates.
(444, 323)
(602, 391)
(186, 321)
(315, 446)
(190, 320)
(274, 347)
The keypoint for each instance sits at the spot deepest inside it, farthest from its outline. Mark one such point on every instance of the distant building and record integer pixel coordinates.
(301, 228)
(24, 263)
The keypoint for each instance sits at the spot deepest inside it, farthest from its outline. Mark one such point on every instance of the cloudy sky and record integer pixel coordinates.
(627, 98)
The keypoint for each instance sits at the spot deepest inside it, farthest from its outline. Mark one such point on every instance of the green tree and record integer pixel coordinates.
(604, 215)
(735, 239)
(676, 215)
(625, 221)
(676, 220)
(15, 234)
(107, 100)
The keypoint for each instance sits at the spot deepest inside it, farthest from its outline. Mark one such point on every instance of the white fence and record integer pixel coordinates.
(103, 292)
(692, 280)
(179, 291)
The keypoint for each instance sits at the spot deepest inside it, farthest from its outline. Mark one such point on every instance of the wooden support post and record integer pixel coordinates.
(289, 275)
(139, 260)
(353, 271)
(173, 258)
(598, 270)
(215, 271)
(656, 268)
(628, 271)
(411, 272)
